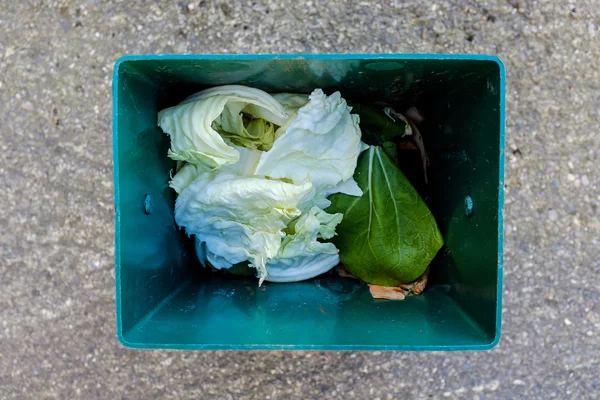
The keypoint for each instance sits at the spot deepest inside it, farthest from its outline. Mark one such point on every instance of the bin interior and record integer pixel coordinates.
(166, 300)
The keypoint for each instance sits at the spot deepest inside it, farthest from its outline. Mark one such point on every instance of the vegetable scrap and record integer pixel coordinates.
(285, 186)
(387, 292)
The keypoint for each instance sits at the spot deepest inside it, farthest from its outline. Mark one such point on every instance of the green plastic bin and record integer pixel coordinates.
(165, 299)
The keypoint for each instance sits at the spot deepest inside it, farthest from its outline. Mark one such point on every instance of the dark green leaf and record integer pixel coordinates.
(388, 235)
(391, 149)
(377, 127)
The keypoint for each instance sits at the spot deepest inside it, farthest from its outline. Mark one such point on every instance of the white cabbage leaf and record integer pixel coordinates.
(258, 171)
(291, 103)
(320, 146)
(200, 125)
(186, 175)
(239, 218)
(302, 255)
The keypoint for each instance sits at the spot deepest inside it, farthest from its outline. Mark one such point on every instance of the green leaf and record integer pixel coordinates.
(388, 235)
(391, 149)
(377, 127)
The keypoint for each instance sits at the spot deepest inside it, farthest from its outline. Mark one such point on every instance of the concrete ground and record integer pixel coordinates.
(57, 312)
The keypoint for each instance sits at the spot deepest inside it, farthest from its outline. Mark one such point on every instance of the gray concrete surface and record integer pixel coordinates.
(57, 330)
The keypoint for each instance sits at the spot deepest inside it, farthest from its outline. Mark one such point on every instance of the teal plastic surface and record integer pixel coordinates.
(165, 299)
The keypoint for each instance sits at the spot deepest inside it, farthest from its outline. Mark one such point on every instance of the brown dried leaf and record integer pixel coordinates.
(343, 272)
(420, 283)
(416, 287)
(418, 141)
(414, 115)
(407, 146)
(387, 292)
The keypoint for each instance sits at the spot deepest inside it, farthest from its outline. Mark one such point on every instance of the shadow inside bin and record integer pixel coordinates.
(325, 311)
(302, 313)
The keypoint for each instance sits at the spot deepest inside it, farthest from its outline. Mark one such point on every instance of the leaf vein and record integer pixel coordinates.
(389, 185)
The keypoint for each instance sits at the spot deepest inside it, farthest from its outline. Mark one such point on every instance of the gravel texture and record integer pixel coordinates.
(57, 322)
